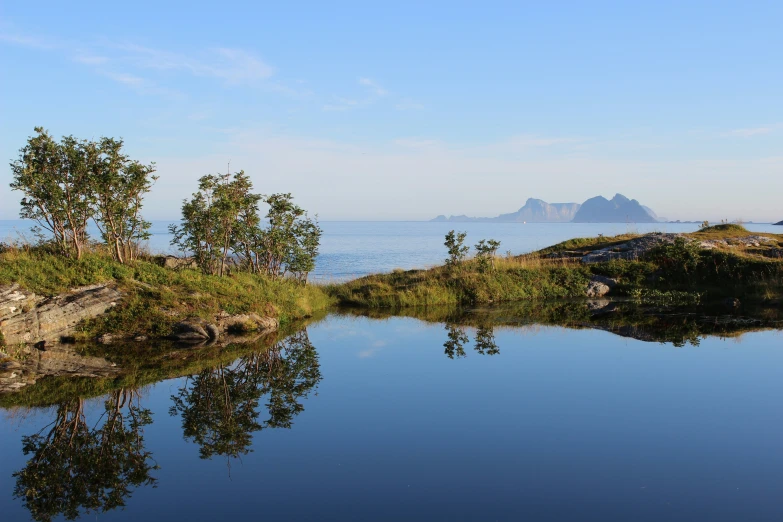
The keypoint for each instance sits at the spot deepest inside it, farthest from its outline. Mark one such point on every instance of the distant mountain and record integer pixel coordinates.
(539, 211)
(619, 209)
(534, 211)
(779, 223)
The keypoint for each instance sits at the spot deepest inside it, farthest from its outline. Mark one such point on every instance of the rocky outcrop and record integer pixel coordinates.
(599, 286)
(197, 330)
(747, 241)
(619, 209)
(630, 250)
(28, 319)
(174, 262)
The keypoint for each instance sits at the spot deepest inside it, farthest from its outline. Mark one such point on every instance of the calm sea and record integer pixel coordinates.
(355, 248)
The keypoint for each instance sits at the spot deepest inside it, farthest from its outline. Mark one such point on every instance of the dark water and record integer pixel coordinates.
(402, 418)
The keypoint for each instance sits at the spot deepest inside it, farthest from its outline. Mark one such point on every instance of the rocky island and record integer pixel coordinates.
(619, 209)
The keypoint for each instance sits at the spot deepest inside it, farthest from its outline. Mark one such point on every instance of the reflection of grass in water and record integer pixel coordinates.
(141, 365)
(678, 325)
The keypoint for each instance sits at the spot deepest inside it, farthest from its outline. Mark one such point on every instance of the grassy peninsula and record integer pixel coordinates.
(156, 297)
(716, 262)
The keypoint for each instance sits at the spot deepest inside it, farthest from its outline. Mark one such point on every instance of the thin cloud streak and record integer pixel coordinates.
(753, 131)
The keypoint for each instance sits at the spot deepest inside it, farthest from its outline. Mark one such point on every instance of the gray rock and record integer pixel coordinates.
(50, 320)
(175, 262)
(599, 286)
(212, 331)
(630, 250)
(747, 241)
(106, 338)
(596, 289)
(247, 323)
(189, 331)
(14, 301)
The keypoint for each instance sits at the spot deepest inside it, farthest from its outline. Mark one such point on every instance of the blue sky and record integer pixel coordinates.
(407, 110)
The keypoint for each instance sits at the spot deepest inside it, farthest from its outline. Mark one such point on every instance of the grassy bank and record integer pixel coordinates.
(674, 271)
(156, 297)
(513, 279)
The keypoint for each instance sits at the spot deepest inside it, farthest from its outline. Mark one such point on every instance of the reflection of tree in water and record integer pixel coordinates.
(485, 341)
(219, 406)
(455, 343)
(457, 338)
(75, 468)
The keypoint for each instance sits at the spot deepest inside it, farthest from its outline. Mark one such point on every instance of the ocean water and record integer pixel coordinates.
(355, 248)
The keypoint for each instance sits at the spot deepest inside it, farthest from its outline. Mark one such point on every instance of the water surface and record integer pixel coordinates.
(435, 418)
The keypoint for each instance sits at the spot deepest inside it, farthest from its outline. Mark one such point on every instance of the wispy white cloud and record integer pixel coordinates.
(417, 143)
(372, 85)
(753, 131)
(407, 104)
(126, 79)
(90, 59)
(123, 62)
(343, 104)
(374, 93)
(231, 65)
(23, 40)
(142, 85)
(533, 140)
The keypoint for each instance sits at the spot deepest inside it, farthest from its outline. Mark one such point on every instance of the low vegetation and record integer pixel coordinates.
(156, 297)
(682, 271)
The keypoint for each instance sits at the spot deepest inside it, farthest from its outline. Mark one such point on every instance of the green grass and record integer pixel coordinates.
(156, 297)
(681, 271)
(512, 280)
(587, 243)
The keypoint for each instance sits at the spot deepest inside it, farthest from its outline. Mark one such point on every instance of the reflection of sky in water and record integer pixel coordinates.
(357, 248)
(560, 425)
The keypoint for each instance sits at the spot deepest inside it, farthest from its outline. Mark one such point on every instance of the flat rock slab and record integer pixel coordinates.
(630, 250)
(49, 320)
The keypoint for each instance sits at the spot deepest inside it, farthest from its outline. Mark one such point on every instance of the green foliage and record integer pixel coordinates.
(55, 179)
(485, 254)
(68, 183)
(210, 219)
(118, 186)
(222, 220)
(287, 244)
(456, 249)
(730, 228)
(677, 261)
